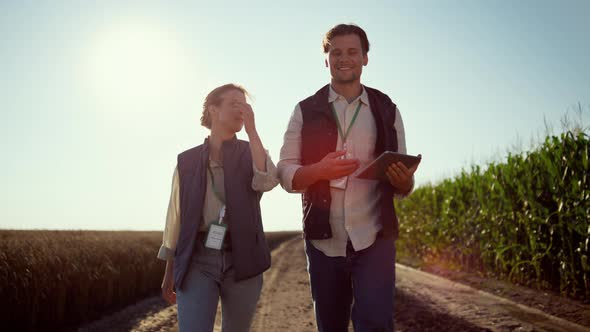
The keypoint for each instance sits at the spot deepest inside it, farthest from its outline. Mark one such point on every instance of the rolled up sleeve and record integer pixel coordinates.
(172, 228)
(265, 181)
(290, 159)
(401, 147)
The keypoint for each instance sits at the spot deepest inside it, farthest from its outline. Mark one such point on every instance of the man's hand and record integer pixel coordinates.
(329, 168)
(332, 166)
(168, 289)
(400, 176)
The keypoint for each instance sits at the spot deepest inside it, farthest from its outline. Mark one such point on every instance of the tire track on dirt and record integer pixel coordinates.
(479, 310)
(423, 302)
(285, 302)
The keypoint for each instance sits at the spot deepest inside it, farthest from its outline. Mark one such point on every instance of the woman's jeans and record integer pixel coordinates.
(211, 277)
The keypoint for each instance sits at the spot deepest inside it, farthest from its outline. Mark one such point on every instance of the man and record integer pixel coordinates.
(350, 225)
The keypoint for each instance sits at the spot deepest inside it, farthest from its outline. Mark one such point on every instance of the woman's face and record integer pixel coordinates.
(228, 115)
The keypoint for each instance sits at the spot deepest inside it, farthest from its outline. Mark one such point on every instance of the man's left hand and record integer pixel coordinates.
(400, 177)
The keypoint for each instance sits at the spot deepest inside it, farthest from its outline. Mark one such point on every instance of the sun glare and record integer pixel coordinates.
(136, 61)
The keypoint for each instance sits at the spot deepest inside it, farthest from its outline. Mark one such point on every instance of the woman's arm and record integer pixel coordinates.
(172, 229)
(265, 172)
(258, 152)
(168, 283)
(170, 238)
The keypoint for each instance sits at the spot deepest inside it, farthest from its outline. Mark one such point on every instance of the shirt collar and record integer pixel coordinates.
(333, 95)
(215, 164)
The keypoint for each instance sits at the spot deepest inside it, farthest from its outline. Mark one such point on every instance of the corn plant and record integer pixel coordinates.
(526, 219)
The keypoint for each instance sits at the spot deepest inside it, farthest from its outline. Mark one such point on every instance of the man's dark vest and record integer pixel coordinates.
(319, 136)
(250, 252)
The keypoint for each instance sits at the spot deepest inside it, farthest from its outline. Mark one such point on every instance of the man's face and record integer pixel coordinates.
(346, 59)
(228, 113)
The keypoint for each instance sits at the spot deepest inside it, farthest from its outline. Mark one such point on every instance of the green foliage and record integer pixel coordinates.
(526, 219)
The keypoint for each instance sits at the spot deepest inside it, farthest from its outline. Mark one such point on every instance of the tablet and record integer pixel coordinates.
(376, 169)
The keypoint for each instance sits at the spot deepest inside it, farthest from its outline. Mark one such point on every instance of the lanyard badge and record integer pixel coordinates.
(343, 181)
(216, 232)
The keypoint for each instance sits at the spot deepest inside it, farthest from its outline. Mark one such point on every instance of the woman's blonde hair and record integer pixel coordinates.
(214, 99)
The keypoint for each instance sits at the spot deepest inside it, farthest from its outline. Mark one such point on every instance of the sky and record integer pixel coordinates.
(97, 98)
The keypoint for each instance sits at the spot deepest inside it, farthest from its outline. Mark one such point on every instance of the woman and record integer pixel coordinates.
(214, 243)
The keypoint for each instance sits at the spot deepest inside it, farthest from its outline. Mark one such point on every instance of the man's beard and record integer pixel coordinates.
(347, 80)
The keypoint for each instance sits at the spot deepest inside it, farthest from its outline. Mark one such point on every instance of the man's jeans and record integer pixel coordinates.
(366, 276)
(210, 277)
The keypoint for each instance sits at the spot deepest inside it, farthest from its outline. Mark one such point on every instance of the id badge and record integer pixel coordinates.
(339, 183)
(215, 236)
(216, 232)
(343, 181)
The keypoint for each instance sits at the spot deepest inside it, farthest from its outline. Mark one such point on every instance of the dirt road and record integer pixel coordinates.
(424, 302)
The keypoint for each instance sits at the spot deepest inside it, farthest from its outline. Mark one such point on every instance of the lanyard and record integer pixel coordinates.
(345, 135)
(217, 193)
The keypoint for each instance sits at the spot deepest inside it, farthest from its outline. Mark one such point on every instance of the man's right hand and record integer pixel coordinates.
(329, 168)
(332, 166)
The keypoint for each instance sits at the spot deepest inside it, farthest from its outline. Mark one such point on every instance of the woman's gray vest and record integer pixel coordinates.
(319, 136)
(250, 253)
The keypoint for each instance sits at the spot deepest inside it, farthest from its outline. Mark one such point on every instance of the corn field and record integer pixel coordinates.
(526, 219)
